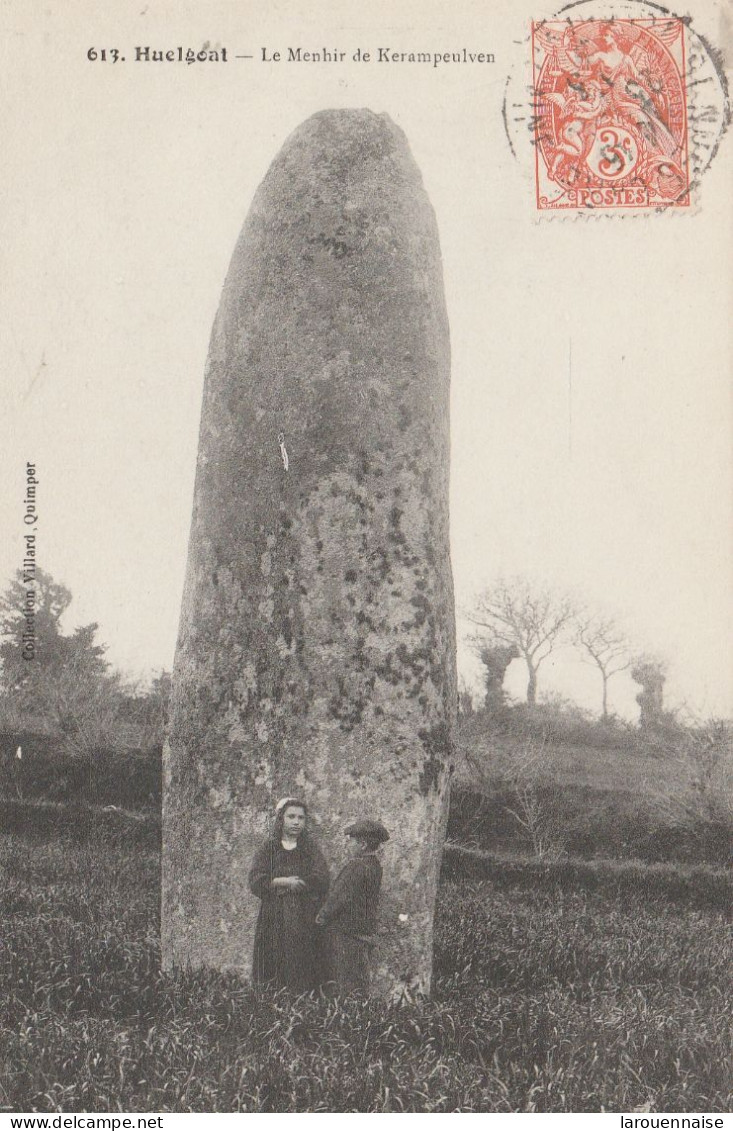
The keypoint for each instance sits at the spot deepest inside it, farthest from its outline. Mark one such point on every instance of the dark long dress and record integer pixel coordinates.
(287, 950)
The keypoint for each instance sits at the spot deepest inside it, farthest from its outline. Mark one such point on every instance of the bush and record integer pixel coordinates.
(558, 720)
(79, 823)
(126, 778)
(587, 823)
(700, 886)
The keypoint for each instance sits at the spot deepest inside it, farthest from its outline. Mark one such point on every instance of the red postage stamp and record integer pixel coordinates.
(610, 114)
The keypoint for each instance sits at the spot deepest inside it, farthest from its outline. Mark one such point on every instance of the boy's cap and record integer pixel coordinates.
(374, 830)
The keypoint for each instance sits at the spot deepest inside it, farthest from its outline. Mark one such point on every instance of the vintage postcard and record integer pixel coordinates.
(365, 613)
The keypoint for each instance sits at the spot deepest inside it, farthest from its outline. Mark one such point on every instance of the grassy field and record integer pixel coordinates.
(579, 997)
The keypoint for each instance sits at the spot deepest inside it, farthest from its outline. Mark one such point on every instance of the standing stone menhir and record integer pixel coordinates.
(316, 651)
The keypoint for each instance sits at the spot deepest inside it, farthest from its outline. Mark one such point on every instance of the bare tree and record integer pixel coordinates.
(526, 769)
(607, 647)
(521, 772)
(533, 620)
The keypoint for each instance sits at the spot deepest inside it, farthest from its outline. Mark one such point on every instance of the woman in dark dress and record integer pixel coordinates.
(290, 876)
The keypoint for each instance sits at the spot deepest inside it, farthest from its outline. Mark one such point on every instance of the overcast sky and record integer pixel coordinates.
(591, 401)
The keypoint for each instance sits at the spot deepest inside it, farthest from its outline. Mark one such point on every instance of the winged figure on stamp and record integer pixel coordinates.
(610, 87)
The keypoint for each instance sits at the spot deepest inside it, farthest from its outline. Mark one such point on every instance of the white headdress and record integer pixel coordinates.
(284, 802)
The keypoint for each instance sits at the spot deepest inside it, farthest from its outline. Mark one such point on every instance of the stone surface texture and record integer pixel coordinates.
(316, 651)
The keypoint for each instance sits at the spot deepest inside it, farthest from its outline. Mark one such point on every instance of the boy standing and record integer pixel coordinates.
(350, 912)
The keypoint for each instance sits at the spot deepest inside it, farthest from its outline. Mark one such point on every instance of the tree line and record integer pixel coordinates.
(517, 620)
(69, 689)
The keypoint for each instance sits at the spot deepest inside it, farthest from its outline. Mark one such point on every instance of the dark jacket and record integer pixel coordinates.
(351, 907)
